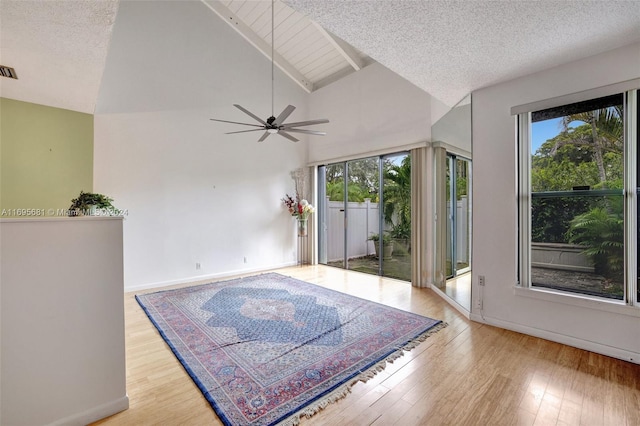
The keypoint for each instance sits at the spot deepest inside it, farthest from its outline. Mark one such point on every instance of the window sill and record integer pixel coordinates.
(612, 306)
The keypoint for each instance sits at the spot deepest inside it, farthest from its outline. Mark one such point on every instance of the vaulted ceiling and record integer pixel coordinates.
(304, 50)
(451, 47)
(447, 48)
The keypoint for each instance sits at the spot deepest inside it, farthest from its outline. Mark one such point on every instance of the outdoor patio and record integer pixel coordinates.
(398, 267)
(591, 284)
(578, 282)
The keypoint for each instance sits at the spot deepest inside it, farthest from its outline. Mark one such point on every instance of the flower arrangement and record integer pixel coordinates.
(298, 208)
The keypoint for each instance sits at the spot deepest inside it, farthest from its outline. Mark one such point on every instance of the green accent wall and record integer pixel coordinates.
(46, 157)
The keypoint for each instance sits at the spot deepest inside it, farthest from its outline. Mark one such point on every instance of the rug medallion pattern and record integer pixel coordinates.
(267, 349)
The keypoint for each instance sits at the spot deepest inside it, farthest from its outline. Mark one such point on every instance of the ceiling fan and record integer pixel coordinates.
(275, 124)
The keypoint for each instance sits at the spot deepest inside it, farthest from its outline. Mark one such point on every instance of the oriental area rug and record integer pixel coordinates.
(270, 349)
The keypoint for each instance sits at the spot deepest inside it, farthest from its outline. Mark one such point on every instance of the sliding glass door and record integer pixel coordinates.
(396, 221)
(365, 215)
(331, 215)
(363, 177)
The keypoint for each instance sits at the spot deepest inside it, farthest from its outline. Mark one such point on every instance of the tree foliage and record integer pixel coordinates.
(580, 156)
(363, 182)
(461, 180)
(550, 217)
(602, 234)
(355, 192)
(397, 197)
(590, 154)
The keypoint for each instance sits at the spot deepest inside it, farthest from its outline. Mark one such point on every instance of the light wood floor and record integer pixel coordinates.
(466, 374)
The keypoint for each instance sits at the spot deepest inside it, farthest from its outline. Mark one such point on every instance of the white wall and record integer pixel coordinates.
(454, 127)
(63, 349)
(438, 109)
(495, 216)
(193, 194)
(372, 109)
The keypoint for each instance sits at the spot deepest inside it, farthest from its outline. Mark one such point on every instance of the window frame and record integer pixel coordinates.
(523, 126)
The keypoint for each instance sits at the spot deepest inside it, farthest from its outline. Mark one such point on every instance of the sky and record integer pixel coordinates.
(542, 131)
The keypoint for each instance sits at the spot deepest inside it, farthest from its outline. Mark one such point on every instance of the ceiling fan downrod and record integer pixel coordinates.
(275, 124)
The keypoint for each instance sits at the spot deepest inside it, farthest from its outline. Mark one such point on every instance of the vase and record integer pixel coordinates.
(302, 227)
(387, 249)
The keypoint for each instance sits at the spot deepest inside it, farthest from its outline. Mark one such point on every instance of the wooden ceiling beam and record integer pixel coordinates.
(347, 52)
(258, 42)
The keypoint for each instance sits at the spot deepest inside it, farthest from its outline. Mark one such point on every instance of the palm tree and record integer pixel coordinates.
(397, 197)
(607, 134)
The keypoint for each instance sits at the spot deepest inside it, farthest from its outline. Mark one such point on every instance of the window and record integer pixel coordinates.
(579, 198)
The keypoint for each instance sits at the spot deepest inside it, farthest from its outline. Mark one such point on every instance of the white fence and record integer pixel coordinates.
(462, 230)
(363, 219)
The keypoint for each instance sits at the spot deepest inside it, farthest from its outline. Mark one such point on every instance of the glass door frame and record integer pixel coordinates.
(323, 208)
(452, 159)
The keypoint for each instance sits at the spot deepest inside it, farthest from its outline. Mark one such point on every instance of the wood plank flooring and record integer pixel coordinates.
(466, 374)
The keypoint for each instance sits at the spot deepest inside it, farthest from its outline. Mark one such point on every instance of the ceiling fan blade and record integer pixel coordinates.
(235, 122)
(284, 114)
(264, 136)
(244, 131)
(288, 136)
(304, 123)
(250, 114)
(309, 132)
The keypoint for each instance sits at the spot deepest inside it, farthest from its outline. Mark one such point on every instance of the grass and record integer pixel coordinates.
(398, 267)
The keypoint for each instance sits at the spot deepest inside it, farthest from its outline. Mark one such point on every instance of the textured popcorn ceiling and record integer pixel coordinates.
(58, 49)
(450, 48)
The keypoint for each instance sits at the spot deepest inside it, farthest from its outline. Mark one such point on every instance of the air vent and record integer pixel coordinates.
(8, 72)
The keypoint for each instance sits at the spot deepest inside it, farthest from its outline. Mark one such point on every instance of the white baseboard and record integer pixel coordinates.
(195, 278)
(561, 338)
(100, 412)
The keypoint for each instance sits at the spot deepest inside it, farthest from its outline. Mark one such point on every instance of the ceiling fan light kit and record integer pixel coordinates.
(272, 124)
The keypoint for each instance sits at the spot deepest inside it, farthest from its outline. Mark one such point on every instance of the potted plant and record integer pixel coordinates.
(87, 203)
(387, 245)
(401, 235)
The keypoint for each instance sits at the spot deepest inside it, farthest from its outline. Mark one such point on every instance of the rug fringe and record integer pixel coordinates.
(364, 376)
